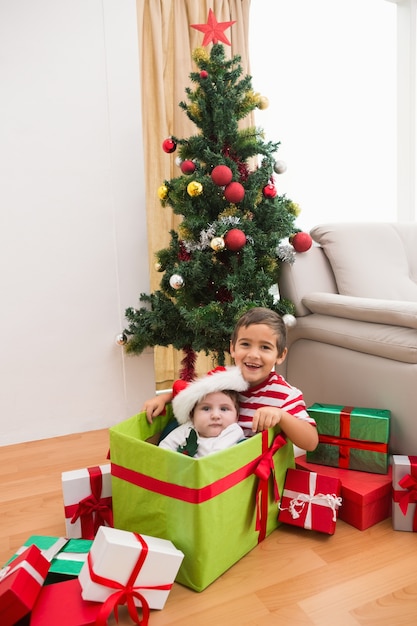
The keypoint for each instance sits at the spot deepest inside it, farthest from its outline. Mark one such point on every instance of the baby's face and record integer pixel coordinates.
(215, 412)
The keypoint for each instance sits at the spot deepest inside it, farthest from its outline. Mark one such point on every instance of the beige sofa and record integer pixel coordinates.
(355, 339)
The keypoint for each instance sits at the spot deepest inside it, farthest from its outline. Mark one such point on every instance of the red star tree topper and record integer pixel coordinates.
(213, 30)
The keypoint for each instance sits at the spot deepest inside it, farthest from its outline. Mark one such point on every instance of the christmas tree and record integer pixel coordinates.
(224, 258)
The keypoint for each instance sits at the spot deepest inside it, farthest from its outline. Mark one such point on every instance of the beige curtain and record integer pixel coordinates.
(166, 42)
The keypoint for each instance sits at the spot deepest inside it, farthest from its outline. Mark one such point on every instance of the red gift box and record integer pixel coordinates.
(20, 583)
(62, 603)
(310, 500)
(404, 493)
(366, 496)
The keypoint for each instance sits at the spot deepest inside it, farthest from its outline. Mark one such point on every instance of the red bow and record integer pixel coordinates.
(408, 482)
(125, 594)
(264, 470)
(93, 511)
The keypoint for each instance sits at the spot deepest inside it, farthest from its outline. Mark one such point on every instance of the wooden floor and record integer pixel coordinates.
(295, 577)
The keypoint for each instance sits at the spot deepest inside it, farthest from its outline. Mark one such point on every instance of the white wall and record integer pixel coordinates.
(73, 235)
(328, 68)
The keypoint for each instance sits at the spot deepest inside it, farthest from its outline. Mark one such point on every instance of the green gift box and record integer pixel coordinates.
(351, 437)
(214, 509)
(67, 563)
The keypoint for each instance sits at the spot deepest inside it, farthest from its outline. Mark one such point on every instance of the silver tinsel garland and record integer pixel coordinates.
(286, 253)
(207, 235)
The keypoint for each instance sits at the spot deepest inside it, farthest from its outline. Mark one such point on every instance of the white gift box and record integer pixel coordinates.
(404, 499)
(115, 554)
(77, 490)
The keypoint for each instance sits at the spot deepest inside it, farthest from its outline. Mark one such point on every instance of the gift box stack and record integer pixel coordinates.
(117, 567)
(211, 512)
(353, 447)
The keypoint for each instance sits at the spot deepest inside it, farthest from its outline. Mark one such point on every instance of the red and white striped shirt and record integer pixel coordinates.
(274, 391)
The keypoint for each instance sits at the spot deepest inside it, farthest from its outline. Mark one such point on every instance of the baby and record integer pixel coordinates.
(207, 410)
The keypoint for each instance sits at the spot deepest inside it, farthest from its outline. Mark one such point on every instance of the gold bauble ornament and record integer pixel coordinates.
(200, 54)
(194, 188)
(162, 192)
(295, 209)
(263, 102)
(195, 110)
(158, 266)
(217, 244)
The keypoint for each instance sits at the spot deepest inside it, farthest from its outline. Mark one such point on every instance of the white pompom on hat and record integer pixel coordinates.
(229, 378)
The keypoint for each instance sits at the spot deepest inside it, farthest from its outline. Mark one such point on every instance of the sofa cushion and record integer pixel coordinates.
(390, 342)
(363, 309)
(372, 260)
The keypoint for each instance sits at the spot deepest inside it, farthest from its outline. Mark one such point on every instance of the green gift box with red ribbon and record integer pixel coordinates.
(351, 437)
(214, 509)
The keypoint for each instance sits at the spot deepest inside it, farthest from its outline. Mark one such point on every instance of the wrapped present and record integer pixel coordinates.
(366, 496)
(20, 584)
(214, 509)
(67, 562)
(87, 500)
(404, 493)
(62, 603)
(351, 437)
(311, 501)
(128, 568)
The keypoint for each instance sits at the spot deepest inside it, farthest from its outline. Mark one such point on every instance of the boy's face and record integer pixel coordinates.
(256, 353)
(213, 414)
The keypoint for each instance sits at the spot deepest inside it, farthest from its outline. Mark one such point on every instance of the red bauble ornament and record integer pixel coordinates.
(187, 167)
(235, 239)
(221, 175)
(301, 242)
(269, 191)
(204, 74)
(234, 192)
(169, 145)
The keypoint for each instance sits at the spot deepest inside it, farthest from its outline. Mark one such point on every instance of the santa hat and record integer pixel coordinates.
(228, 378)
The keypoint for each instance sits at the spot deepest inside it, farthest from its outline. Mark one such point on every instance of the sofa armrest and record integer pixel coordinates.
(391, 312)
(311, 271)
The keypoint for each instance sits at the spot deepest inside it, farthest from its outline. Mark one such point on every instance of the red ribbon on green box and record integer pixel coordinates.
(214, 509)
(345, 443)
(262, 467)
(344, 430)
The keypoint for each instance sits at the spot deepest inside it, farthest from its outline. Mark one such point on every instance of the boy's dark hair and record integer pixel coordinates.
(233, 395)
(262, 315)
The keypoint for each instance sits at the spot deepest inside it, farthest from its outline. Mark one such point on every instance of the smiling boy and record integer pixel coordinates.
(257, 345)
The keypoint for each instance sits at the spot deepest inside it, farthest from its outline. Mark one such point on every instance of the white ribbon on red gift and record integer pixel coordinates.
(8, 570)
(125, 594)
(299, 500)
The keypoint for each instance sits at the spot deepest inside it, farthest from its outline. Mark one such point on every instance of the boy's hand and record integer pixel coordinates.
(266, 417)
(156, 405)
